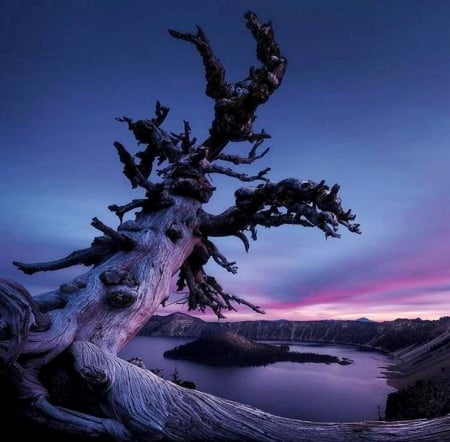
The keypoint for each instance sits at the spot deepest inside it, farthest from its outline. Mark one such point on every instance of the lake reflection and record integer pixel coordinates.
(310, 391)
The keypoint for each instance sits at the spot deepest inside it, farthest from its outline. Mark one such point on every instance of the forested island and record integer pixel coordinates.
(229, 349)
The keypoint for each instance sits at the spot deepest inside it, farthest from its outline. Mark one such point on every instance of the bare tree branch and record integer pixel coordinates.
(216, 87)
(236, 159)
(290, 201)
(244, 239)
(121, 210)
(219, 258)
(124, 241)
(160, 113)
(205, 291)
(161, 145)
(214, 168)
(131, 170)
(185, 138)
(235, 104)
(101, 248)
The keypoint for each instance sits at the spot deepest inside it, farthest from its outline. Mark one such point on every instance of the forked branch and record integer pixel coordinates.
(130, 169)
(236, 103)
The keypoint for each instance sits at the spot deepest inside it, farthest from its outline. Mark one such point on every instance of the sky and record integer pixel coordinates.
(365, 103)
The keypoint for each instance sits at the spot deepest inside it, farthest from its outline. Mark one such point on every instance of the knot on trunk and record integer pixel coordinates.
(158, 198)
(197, 187)
(120, 298)
(118, 276)
(97, 379)
(174, 232)
(71, 287)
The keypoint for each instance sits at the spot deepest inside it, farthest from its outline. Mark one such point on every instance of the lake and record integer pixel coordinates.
(309, 391)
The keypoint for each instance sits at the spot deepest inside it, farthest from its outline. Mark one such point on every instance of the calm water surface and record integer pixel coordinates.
(311, 391)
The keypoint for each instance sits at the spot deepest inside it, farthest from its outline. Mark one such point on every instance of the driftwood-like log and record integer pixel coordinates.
(156, 408)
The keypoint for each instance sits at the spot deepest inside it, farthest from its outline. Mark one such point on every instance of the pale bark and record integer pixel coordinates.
(155, 408)
(139, 279)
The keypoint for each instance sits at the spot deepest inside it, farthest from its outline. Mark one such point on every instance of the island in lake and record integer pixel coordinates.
(230, 349)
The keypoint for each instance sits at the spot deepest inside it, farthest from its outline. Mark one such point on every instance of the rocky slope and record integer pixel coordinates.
(422, 375)
(420, 362)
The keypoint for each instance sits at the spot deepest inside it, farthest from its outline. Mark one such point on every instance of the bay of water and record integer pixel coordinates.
(308, 391)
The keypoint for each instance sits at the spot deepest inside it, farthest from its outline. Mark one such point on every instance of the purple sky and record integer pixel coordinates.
(365, 103)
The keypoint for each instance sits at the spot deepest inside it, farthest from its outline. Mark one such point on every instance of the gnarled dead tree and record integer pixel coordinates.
(58, 365)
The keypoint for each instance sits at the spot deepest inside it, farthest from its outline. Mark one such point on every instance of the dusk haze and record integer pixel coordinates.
(365, 103)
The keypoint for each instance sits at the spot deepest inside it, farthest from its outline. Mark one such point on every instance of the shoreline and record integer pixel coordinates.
(399, 373)
(420, 363)
(363, 347)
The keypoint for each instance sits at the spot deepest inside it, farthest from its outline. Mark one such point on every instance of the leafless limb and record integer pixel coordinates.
(130, 169)
(219, 258)
(214, 168)
(160, 113)
(235, 104)
(121, 210)
(290, 201)
(124, 241)
(216, 87)
(101, 248)
(236, 159)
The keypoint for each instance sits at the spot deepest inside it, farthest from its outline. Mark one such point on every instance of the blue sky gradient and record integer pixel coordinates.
(365, 103)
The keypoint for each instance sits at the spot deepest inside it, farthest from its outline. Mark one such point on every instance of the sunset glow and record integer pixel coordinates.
(365, 103)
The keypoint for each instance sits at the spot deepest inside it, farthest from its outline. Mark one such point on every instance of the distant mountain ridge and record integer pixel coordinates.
(389, 336)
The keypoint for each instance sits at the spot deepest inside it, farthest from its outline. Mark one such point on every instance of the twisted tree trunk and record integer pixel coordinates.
(117, 297)
(58, 365)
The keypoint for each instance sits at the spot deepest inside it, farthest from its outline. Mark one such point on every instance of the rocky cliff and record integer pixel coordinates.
(422, 375)
(388, 336)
